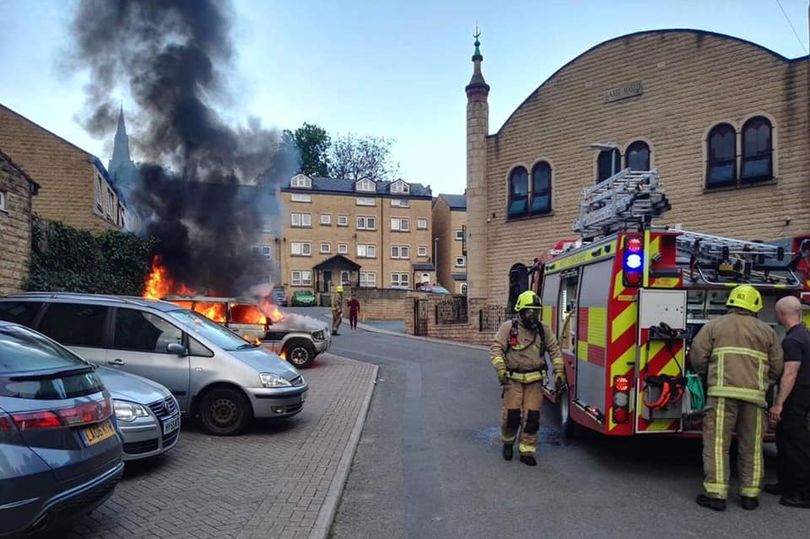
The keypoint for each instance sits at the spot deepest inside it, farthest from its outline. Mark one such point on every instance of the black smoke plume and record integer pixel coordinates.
(207, 186)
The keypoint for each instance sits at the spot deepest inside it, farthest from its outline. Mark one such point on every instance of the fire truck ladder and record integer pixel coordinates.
(628, 198)
(718, 260)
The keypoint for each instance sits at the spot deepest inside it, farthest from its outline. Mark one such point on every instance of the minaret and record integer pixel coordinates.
(120, 156)
(477, 131)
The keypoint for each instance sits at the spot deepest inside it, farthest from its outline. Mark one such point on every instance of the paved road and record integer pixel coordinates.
(429, 465)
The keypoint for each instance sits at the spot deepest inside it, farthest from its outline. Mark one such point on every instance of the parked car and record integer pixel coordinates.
(279, 296)
(298, 339)
(216, 376)
(303, 298)
(147, 413)
(432, 288)
(60, 452)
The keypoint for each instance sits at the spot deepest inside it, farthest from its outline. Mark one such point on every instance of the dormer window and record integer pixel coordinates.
(301, 181)
(365, 185)
(400, 187)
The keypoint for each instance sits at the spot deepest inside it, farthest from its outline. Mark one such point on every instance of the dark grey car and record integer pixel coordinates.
(60, 451)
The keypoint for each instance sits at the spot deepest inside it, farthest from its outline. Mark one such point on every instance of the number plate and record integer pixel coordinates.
(171, 424)
(97, 433)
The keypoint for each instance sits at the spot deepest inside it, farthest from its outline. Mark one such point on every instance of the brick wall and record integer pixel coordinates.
(386, 304)
(15, 227)
(691, 82)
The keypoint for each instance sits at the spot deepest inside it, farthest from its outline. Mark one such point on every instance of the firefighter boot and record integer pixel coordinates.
(748, 503)
(528, 460)
(507, 452)
(716, 504)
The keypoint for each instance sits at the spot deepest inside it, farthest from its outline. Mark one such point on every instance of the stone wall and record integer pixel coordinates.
(468, 332)
(15, 227)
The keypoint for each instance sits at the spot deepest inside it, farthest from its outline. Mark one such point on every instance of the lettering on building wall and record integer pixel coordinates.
(623, 92)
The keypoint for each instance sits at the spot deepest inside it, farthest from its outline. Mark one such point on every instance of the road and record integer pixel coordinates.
(429, 465)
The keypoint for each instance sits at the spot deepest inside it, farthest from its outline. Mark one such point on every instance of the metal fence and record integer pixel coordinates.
(452, 311)
(490, 317)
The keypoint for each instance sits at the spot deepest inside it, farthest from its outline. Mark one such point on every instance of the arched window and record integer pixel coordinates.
(518, 193)
(721, 165)
(608, 163)
(637, 156)
(541, 188)
(518, 282)
(757, 151)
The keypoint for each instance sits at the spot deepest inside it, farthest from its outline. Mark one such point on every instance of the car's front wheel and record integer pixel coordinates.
(300, 353)
(224, 412)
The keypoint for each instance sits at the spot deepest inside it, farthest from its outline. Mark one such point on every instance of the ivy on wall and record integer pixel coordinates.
(66, 259)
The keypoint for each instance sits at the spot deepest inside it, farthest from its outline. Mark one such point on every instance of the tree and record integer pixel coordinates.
(313, 144)
(357, 158)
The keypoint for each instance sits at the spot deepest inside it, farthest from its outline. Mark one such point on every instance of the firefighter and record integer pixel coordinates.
(518, 355)
(337, 308)
(740, 356)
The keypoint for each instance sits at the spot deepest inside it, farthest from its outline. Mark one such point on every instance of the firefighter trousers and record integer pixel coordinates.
(722, 417)
(521, 410)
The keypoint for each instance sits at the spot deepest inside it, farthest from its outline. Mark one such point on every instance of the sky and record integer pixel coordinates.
(387, 68)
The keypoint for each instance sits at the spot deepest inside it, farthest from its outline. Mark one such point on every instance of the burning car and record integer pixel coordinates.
(296, 338)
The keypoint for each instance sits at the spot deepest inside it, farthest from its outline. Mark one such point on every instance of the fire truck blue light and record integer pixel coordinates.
(633, 261)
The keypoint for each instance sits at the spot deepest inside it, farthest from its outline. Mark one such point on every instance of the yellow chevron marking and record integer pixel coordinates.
(618, 284)
(623, 322)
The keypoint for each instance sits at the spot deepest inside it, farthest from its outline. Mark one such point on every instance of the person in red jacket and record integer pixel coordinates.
(354, 311)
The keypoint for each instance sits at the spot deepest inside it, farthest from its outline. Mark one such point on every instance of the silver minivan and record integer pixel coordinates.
(216, 376)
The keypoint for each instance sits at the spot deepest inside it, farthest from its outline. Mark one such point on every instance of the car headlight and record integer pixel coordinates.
(129, 411)
(319, 335)
(273, 380)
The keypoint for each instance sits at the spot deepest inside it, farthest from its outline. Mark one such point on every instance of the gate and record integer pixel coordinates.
(421, 313)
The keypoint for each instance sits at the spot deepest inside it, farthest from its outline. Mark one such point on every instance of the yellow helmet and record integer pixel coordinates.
(527, 300)
(745, 297)
(339, 289)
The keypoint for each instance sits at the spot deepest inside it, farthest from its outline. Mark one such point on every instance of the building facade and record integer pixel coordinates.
(75, 188)
(16, 212)
(449, 242)
(724, 121)
(360, 233)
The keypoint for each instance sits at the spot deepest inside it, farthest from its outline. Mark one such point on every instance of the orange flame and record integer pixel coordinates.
(272, 311)
(213, 311)
(158, 283)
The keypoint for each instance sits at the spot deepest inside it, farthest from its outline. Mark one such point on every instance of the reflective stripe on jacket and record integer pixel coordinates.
(740, 356)
(525, 359)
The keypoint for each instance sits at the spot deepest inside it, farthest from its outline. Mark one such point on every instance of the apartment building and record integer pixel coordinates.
(365, 233)
(449, 241)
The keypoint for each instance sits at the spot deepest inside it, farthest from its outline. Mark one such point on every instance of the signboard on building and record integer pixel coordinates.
(623, 92)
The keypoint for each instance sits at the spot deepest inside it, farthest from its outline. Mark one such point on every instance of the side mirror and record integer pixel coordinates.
(176, 348)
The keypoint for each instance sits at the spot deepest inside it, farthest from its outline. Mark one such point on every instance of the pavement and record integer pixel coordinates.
(281, 479)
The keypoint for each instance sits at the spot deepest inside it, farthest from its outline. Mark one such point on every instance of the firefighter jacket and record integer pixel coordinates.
(739, 355)
(337, 302)
(525, 358)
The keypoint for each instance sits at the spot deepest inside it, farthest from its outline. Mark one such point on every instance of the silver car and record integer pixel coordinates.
(216, 376)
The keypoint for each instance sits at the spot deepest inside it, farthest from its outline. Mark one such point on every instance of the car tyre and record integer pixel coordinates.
(299, 353)
(224, 412)
(569, 429)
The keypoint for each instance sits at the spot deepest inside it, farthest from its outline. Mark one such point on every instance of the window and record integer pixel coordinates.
(301, 197)
(365, 185)
(421, 251)
(326, 219)
(637, 156)
(110, 199)
(364, 201)
(343, 248)
(541, 189)
(345, 278)
(73, 324)
(301, 181)
(21, 312)
(460, 234)
(99, 188)
(366, 251)
(518, 193)
(326, 247)
(144, 332)
(301, 278)
(368, 279)
(300, 248)
(400, 251)
(460, 262)
(2, 200)
(421, 223)
(721, 166)
(400, 187)
(343, 220)
(301, 220)
(608, 163)
(757, 151)
(400, 280)
(400, 203)
(463, 288)
(400, 224)
(261, 251)
(366, 223)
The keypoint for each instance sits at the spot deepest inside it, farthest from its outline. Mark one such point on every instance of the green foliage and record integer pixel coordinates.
(313, 144)
(65, 259)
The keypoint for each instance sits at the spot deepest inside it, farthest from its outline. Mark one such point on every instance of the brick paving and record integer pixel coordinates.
(270, 482)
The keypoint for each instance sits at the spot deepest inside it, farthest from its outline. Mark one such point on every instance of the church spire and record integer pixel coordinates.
(120, 156)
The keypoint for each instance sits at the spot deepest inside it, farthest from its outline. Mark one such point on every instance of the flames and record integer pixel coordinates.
(158, 283)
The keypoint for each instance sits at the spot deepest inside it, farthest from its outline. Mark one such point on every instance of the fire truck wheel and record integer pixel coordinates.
(568, 428)
(224, 411)
(300, 353)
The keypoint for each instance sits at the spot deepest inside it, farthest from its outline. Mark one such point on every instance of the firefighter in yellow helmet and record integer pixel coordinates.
(740, 357)
(337, 308)
(518, 355)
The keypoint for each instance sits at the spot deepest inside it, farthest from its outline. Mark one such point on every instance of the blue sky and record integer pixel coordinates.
(386, 68)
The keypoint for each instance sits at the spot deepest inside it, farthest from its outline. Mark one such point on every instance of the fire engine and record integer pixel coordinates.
(626, 300)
